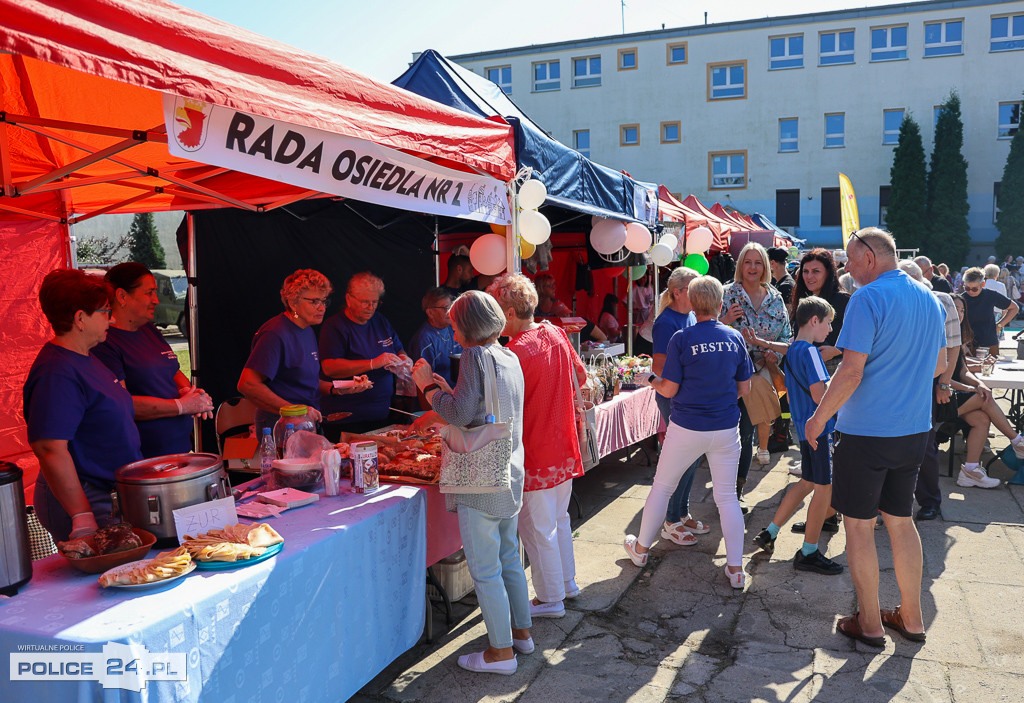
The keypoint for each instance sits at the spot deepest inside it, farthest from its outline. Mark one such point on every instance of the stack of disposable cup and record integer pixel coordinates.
(330, 460)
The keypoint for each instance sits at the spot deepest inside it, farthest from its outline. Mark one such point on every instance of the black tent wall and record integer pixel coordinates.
(243, 258)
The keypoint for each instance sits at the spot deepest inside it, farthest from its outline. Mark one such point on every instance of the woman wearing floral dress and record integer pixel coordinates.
(751, 302)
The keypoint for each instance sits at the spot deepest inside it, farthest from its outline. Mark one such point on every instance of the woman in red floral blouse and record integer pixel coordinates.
(552, 451)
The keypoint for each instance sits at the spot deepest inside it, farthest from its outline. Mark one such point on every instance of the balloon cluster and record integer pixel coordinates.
(609, 236)
(698, 241)
(487, 254)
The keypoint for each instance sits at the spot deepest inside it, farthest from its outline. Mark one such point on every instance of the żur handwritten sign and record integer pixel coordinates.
(203, 517)
(330, 163)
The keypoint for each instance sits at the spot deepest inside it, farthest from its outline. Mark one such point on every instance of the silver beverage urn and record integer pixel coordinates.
(15, 554)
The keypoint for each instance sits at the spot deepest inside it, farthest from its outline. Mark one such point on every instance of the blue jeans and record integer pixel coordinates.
(746, 442)
(492, 555)
(679, 503)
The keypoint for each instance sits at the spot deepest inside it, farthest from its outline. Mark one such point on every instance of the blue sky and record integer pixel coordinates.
(379, 38)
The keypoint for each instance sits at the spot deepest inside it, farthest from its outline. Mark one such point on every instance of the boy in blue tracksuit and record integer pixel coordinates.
(806, 380)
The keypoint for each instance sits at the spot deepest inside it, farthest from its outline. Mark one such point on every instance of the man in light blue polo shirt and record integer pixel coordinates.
(893, 342)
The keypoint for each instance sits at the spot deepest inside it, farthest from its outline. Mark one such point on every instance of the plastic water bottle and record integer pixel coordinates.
(289, 430)
(268, 452)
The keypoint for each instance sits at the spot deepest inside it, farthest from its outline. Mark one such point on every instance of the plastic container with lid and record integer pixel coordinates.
(299, 417)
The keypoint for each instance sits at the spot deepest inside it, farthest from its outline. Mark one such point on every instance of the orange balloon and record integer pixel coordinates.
(498, 229)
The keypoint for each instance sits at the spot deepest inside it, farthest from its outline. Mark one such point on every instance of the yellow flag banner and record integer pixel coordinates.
(848, 208)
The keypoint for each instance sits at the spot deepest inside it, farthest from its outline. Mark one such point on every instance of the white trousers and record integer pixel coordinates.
(547, 536)
(681, 448)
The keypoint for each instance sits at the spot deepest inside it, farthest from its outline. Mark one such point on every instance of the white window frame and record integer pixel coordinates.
(679, 132)
(624, 52)
(677, 45)
(940, 46)
(1010, 37)
(786, 141)
(728, 66)
(588, 79)
(718, 182)
(550, 84)
(889, 46)
(622, 134)
(576, 141)
(1003, 131)
(835, 135)
(506, 88)
(787, 56)
(890, 137)
(838, 53)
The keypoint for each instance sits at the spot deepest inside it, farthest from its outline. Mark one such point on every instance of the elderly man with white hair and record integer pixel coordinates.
(927, 492)
(928, 273)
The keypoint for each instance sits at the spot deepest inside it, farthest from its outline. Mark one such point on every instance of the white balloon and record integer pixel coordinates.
(488, 254)
(638, 238)
(661, 255)
(670, 241)
(699, 240)
(534, 227)
(608, 236)
(532, 194)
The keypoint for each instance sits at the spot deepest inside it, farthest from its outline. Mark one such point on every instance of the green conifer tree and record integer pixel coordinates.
(145, 245)
(908, 189)
(948, 232)
(1010, 218)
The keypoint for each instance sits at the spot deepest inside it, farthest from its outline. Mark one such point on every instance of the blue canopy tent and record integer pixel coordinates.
(573, 181)
(763, 221)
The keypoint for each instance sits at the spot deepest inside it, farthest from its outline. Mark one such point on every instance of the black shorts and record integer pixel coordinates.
(816, 464)
(876, 473)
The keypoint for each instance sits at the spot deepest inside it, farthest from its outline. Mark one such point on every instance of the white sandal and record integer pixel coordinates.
(678, 534)
(700, 529)
(737, 580)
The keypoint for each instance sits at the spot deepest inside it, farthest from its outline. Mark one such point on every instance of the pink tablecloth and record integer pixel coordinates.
(624, 420)
(443, 538)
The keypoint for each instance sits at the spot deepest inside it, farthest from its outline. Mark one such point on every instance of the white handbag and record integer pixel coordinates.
(478, 459)
(586, 422)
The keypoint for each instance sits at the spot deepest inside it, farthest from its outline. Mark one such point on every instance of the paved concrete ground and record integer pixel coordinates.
(675, 631)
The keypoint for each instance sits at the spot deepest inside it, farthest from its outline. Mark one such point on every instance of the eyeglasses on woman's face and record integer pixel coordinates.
(318, 302)
(364, 302)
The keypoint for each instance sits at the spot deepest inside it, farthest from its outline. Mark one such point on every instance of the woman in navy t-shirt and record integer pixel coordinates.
(706, 369)
(163, 397)
(79, 418)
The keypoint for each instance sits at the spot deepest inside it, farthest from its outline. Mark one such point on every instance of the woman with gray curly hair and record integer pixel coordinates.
(552, 450)
(282, 368)
(487, 521)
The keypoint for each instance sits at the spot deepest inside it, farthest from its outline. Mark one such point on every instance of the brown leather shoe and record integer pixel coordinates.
(850, 626)
(893, 619)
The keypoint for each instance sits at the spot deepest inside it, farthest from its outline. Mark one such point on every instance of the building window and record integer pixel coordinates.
(835, 48)
(883, 204)
(670, 132)
(581, 141)
(787, 208)
(627, 59)
(547, 75)
(944, 38)
(727, 81)
(889, 43)
(788, 134)
(830, 214)
(1007, 33)
(629, 134)
(502, 75)
(835, 130)
(1009, 119)
(727, 169)
(786, 52)
(675, 53)
(995, 201)
(586, 72)
(891, 121)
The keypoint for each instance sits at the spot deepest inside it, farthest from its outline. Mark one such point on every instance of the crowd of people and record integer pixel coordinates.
(107, 391)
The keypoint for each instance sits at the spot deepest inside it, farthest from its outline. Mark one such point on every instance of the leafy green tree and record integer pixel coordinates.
(948, 233)
(1010, 219)
(908, 189)
(145, 245)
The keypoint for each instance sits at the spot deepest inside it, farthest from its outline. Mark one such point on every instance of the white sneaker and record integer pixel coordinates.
(571, 589)
(976, 478)
(763, 457)
(795, 470)
(629, 544)
(547, 610)
(523, 646)
(475, 662)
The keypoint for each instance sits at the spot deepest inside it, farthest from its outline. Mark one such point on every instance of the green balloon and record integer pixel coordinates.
(697, 262)
(634, 273)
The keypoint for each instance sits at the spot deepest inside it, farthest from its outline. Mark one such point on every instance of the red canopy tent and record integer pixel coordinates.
(673, 210)
(82, 133)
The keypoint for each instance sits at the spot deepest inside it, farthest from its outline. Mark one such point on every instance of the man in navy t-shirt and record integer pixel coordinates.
(360, 340)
